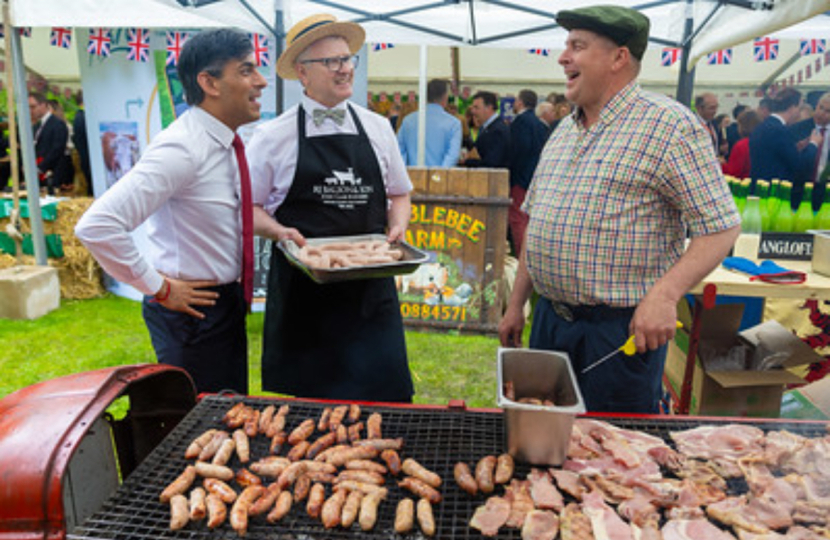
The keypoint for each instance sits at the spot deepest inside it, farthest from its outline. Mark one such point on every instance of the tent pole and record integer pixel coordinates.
(422, 108)
(686, 80)
(13, 146)
(28, 148)
(279, 37)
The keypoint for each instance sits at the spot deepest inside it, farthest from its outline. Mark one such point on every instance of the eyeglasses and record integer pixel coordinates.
(335, 63)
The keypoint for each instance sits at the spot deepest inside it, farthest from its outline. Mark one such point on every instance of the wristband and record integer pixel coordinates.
(157, 300)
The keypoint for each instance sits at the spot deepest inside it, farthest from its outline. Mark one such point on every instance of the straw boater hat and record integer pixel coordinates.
(311, 29)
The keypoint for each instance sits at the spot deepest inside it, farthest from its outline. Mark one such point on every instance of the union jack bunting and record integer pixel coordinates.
(175, 41)
(138, 44)
(539, 52)
(765, 49)
(721, 57)
(99, 42)
(812, 46)
(25, 31)
(382, 46)
(261, 54)
(669, 55)
(61, 36)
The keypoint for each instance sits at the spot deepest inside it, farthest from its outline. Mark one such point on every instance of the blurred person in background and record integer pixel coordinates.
(527, 137)
(738, 164)
(443, 130)
(492, 144)
(732, 135)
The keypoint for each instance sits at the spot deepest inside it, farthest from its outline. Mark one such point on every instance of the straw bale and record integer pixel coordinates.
(79, 273)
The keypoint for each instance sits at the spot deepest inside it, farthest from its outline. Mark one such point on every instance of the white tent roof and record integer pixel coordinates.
(142, 13)
(501, 23)
(519, 24)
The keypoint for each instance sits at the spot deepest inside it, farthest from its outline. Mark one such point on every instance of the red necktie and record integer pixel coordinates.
(816, 172)
(247, 221)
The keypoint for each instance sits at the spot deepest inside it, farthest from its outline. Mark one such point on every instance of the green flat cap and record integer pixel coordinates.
(624, 26)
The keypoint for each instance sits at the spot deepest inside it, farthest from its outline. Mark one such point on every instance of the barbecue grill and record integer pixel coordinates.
(64, 498)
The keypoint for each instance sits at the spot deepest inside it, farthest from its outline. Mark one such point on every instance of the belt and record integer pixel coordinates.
(597, 312)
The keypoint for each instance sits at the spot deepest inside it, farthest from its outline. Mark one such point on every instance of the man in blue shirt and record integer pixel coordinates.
(443, 140)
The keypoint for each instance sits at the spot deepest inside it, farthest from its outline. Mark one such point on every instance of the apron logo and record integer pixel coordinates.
(343, 190)
(341, 178)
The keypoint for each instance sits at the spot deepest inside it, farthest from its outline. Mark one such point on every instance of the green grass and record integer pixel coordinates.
(84, 335)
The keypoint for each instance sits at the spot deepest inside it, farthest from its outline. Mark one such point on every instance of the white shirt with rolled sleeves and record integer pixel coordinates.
(186, 186)
(273, 148)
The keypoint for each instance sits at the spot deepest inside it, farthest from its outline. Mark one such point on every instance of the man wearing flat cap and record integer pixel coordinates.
(620, 185)
(328, 168)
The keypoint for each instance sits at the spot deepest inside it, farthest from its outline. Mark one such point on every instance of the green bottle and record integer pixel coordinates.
(763, 195)
(823, 216)
(784, 216)
(773, 200)
(804, 220)
(743, 191)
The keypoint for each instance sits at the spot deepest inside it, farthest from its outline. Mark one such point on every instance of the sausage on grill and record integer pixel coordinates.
(179, 485)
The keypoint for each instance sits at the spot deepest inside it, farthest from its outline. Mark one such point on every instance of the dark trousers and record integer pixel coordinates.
(623, 384)
(213, 350)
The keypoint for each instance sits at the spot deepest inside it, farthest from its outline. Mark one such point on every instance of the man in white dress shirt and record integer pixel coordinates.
(187, 187)
(324, 168)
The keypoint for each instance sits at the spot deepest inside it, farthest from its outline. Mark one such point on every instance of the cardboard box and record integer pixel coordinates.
(810, 402)
(742, 389)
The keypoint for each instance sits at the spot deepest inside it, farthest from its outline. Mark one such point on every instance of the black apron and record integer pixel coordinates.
(344, 340)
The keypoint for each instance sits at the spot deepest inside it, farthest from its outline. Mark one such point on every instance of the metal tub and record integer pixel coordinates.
(412, 258)
(538, 434)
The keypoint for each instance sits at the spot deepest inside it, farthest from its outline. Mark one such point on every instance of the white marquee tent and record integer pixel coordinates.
(697, 26)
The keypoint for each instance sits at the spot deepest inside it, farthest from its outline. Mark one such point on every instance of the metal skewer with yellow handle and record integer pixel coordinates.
(628, 348)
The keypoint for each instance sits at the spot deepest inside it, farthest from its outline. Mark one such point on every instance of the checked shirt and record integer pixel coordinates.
(610, 206)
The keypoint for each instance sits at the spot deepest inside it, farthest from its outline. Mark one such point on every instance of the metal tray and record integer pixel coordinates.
(538, 434)
(412, 259)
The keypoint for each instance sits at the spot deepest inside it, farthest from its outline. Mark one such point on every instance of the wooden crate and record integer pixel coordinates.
(459, 216)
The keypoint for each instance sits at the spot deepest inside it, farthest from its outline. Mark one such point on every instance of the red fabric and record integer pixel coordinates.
(247, 221)
(738, 164)
(516, 218)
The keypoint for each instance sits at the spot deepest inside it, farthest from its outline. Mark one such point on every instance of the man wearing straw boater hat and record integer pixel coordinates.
(328, 168)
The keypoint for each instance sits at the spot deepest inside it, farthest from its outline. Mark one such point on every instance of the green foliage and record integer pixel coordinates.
(109, 331)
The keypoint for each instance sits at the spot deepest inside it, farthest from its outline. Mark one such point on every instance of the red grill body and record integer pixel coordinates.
(59, 456)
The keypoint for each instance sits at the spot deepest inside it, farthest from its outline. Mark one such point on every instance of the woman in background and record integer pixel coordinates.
(738, 164)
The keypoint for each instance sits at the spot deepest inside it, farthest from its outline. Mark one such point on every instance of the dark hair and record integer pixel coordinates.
(766, 102)
(488, 98)
(39, 97)
(739, 108)
(528, 98)
(209, 51)
(747, 122)
(783, 100)
(437, 89)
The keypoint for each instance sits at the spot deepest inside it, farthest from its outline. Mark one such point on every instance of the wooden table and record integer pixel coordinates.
(732, 283)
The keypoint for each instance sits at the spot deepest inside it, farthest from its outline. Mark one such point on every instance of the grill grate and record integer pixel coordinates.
(436, 438)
